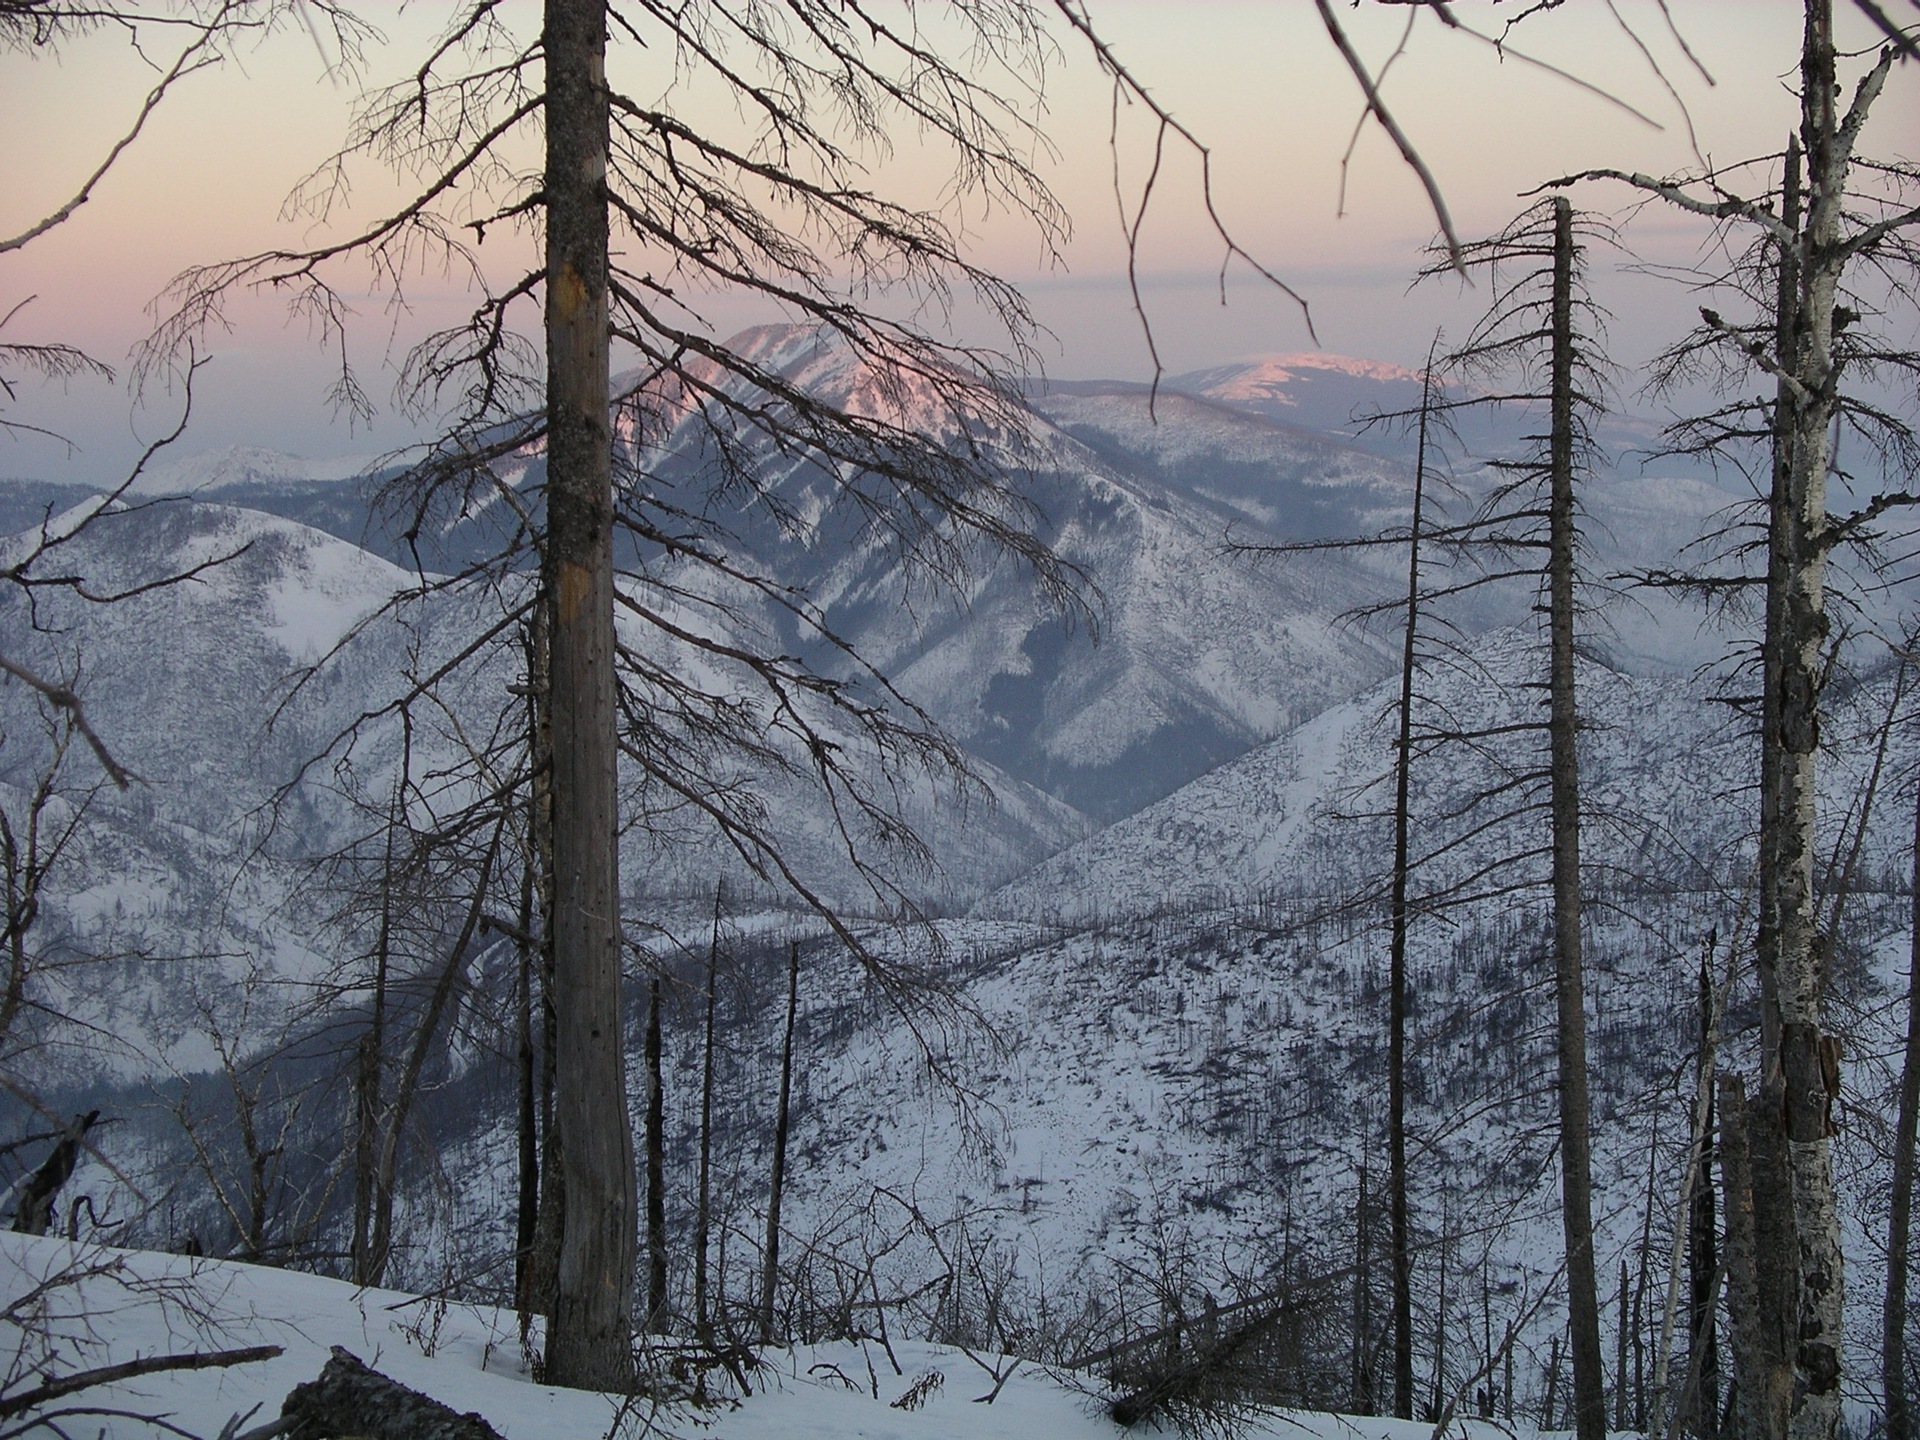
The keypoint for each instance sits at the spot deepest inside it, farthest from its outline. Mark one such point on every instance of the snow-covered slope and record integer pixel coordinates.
(1306, 814)
(97, 1307)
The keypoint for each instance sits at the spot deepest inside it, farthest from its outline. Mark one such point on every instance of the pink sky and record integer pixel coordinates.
(1256, 79)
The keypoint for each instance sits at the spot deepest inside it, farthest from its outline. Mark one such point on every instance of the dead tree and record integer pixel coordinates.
(1576, 1165)
(1801, 337)
(369, 1085)
(1400, 916)
(1893, 1330)
(703, 1201)
(1541, 321)
(695, 212)
(656, 1144)
(770, 1271)
(1704, 1265)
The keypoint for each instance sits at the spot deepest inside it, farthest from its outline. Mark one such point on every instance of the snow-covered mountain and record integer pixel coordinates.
(1160, 1042)
(245, 467)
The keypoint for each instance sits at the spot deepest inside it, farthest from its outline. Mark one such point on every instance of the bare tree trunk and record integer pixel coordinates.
(527, 1212)
(589, 1341)
(703, 1207)
(1440, 1329)
(1640, 1284)
(1800, 1064)
(1751, 1364)
(1553, 1384)
(368, 1082)
(1583, 1306)
(770, 1276)
(543, 1264)
(656, 1170)
(394, 1121)
(1703, 1265)
(1893, 1354)
(1620, 1351)
(1361, 1381)
(534, 874)
(1486, 1396)
(1506, 1380)
(1400, 1221)
(1774, 1257)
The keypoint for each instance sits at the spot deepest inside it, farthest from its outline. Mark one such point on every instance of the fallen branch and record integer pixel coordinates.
(23, 1401)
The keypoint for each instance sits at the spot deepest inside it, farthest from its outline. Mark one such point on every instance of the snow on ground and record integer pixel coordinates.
(69, 1307)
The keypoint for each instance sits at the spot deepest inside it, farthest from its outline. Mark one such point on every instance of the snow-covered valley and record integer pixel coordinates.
(1097, 1050)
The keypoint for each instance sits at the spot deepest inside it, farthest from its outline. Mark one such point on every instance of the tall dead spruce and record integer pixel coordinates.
(694, 687)
(1541, 328)
(1823, 226)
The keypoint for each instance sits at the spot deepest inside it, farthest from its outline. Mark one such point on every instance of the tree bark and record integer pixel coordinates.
(589, 1341)
(1751, 1365)
(1893, 1354)
(1774, 1257)
(1583, 1306)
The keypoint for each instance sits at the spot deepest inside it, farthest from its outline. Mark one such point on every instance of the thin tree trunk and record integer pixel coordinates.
(1506, 1379)
(394, 1121)
(1620, 1354)
(368, 1082)
(1440, 1330)
(544, 1269)
(656, 1170)
(1400, 1220)
(1642, 1280)
(1361, 1382)
(589, 1341)
(1640, 1295)
(1583, 1306)
(769, 1277)
(1486, 1396)
(1893, 1362)
(1700, 1132)
(527, 1212)
(529, 1297)
(1703, 1260)
(703, 1207)
(1553, 1384)
(1750, 1345)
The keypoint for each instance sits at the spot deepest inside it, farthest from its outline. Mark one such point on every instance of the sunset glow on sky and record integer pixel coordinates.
(1257, 80)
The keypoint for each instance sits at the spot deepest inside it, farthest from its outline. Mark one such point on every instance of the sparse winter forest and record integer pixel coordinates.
(783, 863)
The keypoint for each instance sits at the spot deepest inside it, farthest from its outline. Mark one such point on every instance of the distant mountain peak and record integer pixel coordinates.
(1285, 366)
(209, 471)
(1267, 380)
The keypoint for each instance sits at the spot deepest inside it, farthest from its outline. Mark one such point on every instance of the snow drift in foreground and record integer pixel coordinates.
(71, 1307)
